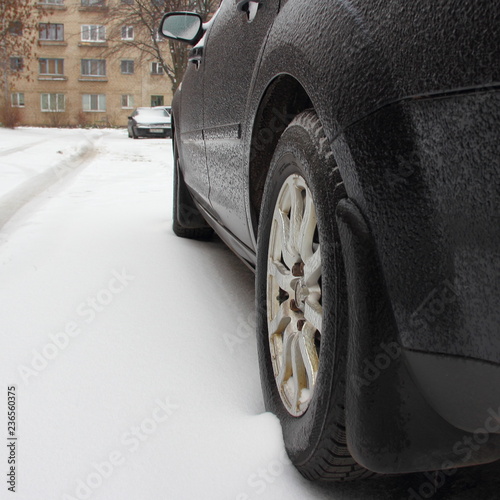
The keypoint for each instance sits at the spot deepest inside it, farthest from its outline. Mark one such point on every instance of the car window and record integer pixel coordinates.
(155, 112)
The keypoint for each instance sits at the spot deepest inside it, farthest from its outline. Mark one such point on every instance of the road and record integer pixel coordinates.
(132, 352)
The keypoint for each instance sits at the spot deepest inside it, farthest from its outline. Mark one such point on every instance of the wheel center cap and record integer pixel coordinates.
(301, 293)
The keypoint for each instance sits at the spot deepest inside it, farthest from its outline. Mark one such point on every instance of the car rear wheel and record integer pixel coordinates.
(302, 303)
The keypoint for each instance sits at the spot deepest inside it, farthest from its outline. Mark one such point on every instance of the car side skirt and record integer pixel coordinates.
(248, 256)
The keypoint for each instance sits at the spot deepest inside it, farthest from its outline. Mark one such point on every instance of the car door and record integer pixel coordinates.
(230, 55)
(190, 130)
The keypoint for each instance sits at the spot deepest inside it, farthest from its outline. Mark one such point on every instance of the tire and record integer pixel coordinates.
(301, 300)
(194, 226)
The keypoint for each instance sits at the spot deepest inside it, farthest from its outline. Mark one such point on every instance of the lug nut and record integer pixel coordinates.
(298, 269)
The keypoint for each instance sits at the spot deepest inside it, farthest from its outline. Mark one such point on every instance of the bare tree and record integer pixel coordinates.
(18, 34)
(206, 8)
(145, 16)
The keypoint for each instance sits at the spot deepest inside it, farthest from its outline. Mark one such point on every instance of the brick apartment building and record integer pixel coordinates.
(72, 81)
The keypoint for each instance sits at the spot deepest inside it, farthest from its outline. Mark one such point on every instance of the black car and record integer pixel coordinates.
(349, 152)
(150, 122)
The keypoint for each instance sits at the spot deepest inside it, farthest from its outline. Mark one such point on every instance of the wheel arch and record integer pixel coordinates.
(283, 99)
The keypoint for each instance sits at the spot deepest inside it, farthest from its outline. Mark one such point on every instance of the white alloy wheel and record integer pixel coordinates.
(294, 310)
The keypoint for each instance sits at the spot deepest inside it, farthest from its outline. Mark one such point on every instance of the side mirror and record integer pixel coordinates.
(182, 26)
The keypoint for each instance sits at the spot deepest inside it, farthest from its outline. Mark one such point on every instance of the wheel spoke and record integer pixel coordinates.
(284, 224)
(296, 213)
(312, 268)
(280, 321)
(298, 372)
(307, 229)
(309, 354)
(285, 362)
(313, 313)
(281, 275)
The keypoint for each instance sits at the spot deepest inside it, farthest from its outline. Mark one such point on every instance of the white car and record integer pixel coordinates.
(150, 122)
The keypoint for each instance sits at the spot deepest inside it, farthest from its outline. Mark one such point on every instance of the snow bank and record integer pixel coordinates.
(30, 163)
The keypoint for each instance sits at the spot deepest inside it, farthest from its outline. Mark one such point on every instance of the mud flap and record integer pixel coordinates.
(391, 428)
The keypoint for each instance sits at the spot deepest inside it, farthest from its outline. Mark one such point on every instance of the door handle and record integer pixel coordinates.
(250, 7)
(195, 56)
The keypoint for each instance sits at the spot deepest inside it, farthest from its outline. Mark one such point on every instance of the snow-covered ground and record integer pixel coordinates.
(132, 351)
(26, 153)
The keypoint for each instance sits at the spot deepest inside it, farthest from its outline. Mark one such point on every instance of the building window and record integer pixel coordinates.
(94, 102)
(156, 68)
(51, 2)
(51, 31)
(93, 67)
(17, 99)
(156, 100)
(15, 28)
(52, 67)
(93, 33)
(92, 3)
(128, 2)
(127, 67)
(16, 64)
(53, 102)
(127, 101)
(127, 32)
